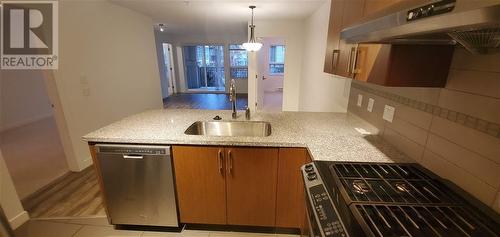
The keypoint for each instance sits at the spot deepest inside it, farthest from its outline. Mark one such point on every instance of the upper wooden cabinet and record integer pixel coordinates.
(403, 65)
(342, 13)
(334, 28)
(383, 64)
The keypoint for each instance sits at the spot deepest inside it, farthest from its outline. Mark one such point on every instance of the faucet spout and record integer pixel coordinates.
(232, 98)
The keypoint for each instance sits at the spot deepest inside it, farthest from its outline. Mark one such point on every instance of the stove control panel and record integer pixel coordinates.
(325, 215)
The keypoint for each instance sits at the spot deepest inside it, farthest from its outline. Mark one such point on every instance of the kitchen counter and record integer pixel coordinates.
(328, 136)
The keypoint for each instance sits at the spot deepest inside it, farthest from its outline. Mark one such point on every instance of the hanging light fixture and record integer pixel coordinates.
(252, 45)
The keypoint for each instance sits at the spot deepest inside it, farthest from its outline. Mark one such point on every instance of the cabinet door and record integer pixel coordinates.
(372, 62)
(201, 190)
(251, 186)
(332, 43)
(290, 209)
(380, 6)
(353, 11)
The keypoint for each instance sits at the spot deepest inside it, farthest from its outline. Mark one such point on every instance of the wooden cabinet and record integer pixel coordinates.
(217, 185)
(383, 64)
(403, 65)
(290, 202)
(251, 186)
(332, 45)
(338, 55)
(353, 12)
(200, 182)
(240, 185)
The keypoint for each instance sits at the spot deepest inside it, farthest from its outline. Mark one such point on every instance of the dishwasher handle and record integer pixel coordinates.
(132, 156)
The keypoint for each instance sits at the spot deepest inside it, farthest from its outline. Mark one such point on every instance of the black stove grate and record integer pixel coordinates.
(389, 183)
(405, 200)
(428, 221)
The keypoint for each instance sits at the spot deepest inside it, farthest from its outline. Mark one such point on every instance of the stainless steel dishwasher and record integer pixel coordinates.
(138, 184)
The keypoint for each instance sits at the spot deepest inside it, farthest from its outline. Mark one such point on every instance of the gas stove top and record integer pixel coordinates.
(373, 199)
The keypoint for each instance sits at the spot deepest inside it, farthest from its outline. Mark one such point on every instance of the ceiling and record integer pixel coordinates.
(223, 16)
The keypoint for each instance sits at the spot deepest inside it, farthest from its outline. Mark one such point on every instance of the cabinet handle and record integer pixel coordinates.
(230, 160)
(220, 160)
(355, 61)
(349, 62)
(335, 60)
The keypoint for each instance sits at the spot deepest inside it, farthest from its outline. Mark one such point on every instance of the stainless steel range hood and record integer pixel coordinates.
(475, 24)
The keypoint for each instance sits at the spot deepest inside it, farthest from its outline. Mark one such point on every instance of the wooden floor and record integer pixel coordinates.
(74, 195)
(204, 101)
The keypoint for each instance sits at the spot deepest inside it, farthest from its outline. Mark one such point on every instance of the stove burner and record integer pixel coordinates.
(387, 199)
(360, 187)
(402, 187)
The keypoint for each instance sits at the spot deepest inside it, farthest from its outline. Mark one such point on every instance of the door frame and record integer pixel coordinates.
(225, 54)
(170, 70)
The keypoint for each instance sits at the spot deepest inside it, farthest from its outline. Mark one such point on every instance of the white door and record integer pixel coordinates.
(169, 83)
(261, 67)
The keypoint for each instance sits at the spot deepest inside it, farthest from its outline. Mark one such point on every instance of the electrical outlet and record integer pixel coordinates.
(360, 100)
(388, 113)
(370, 105)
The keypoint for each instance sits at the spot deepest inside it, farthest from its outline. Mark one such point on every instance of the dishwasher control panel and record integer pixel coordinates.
(139, 150)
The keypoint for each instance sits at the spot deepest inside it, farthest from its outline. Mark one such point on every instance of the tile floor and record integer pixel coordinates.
(99, 227)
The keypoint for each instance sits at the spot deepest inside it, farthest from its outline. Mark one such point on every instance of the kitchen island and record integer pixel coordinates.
(245, 181)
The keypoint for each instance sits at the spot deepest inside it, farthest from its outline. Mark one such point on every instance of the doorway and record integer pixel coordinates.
(32, 148)
(271, 73)
(168, 79)
(204, 68)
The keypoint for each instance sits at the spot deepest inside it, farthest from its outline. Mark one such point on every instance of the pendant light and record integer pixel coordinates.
(252, 45)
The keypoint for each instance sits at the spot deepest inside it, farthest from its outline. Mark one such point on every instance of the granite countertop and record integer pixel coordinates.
(328, 136)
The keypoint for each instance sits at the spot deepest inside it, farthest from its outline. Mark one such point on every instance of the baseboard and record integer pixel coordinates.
(24, 122)
(86, 163)
(18, 220)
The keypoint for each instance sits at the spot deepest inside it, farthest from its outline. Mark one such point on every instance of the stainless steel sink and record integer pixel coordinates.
(230, 128)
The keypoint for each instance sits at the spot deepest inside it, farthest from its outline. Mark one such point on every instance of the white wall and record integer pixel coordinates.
(292, 32)
(23, 98)
(319, 91)
(107, 70)
(9, 200)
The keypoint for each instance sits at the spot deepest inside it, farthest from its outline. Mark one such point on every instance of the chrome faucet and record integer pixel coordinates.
(232, 97)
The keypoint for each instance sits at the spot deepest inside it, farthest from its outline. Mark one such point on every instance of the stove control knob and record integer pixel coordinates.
(311, 176)
(309, 168)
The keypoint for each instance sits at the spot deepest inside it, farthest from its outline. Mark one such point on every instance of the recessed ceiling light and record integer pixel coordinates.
(161, 27)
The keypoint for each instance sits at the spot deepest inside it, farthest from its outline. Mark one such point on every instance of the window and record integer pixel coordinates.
(238, 59)
(204, 67)
(276, 59)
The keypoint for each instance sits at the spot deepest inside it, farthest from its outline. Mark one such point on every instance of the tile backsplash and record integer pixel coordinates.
(453, 131)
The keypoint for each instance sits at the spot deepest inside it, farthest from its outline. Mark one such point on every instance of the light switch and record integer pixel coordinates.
(370, 104)
(388, 113)
(360, 100)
